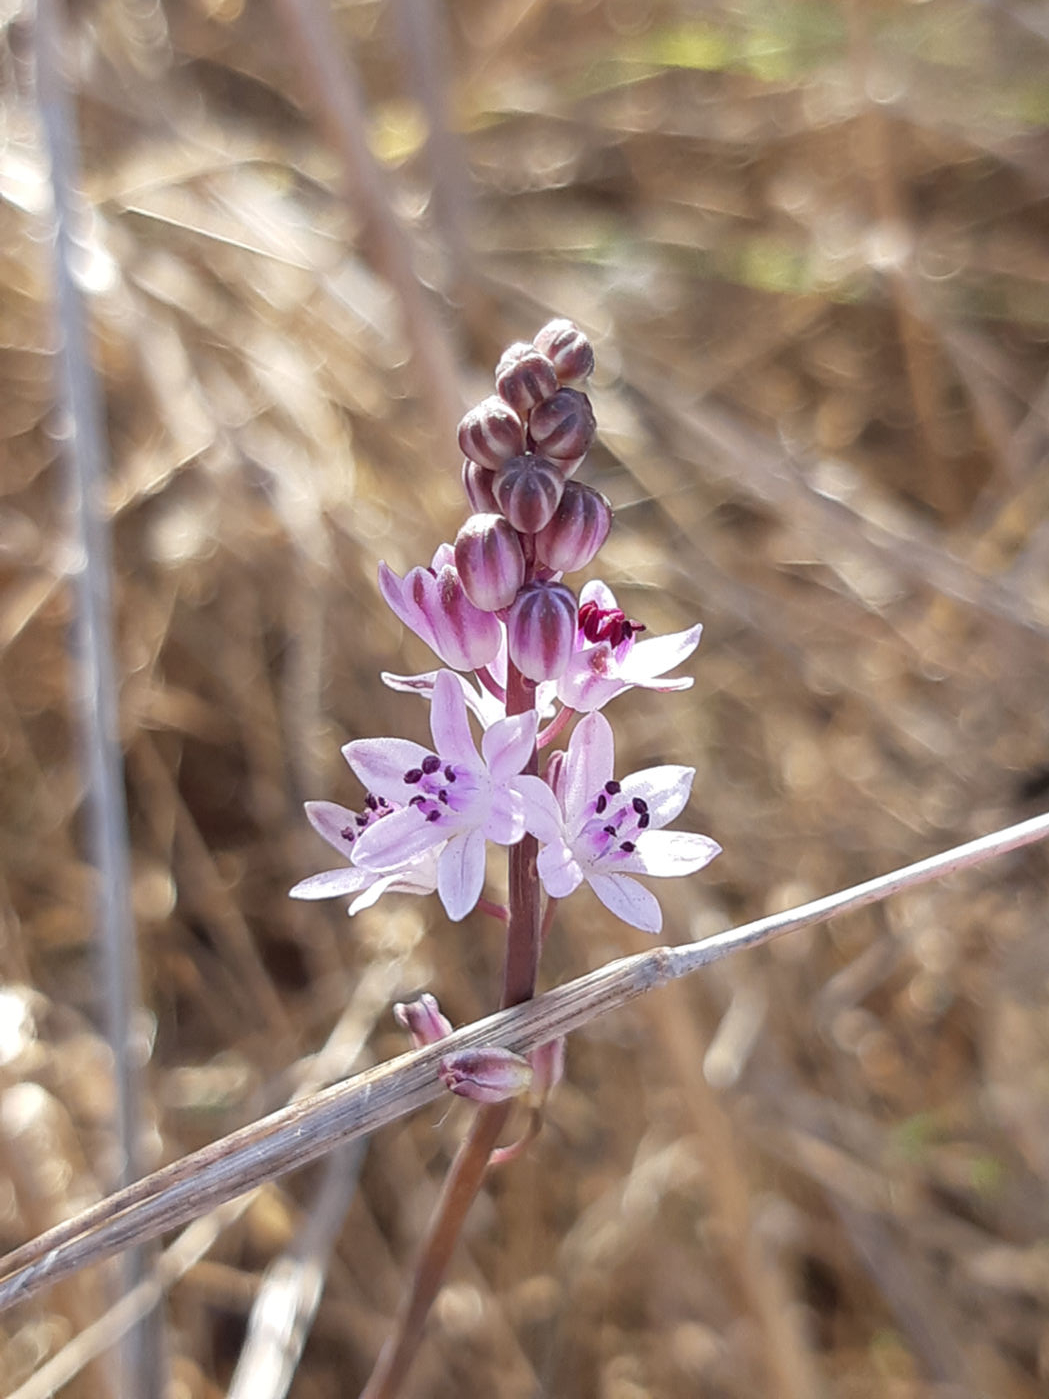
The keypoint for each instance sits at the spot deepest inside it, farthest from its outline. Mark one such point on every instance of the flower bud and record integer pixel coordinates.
(477, 483)
(562, 427)
(541, 630)
(423, 1020)
(579, 527)
(491, 433)
(486, 1075)
(489, 561)
(524, 377)
(528, 491)
(568, 349)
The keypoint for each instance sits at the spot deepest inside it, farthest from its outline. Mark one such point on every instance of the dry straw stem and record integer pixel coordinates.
(305, 1130)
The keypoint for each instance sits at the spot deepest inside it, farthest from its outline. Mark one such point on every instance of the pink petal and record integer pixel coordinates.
(596, 591)
(332, 884)
(396, 840)
(508, 745)
(460, 874)
(505, 823)
(587, 767)
(449, 724)
(658, 654)
(559, 870)
(668, 853)
(628, 900)
(542, 815)
(329, 820)
(665, 790)
(381, 763)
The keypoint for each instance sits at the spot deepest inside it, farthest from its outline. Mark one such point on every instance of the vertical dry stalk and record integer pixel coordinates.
(94, 674)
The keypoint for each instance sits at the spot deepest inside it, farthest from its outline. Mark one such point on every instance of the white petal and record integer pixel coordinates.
(329, 820)
(371, 895)
(460, 874)
(669, 853)
(559, 870)
(628, 900)
(332, 884)
(397, 840)
(505, 822)
(508, 744)
(587, 767)
(658, 654)
(542, 815)
(449, 724)
(596, 591)
(381, 763)
(665, 790)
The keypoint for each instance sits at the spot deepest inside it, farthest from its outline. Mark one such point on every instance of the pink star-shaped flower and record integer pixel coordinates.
(608, 659)
(596, 829)
(450, 799)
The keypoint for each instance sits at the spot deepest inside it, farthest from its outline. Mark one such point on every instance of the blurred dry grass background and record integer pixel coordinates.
(809, 241)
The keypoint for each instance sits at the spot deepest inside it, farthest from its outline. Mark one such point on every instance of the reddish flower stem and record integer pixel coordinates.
(467, 1171)
(556, 724)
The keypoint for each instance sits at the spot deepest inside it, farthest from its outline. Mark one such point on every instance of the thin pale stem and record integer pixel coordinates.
(359, 1106)
(490, 683)
(466, 1174)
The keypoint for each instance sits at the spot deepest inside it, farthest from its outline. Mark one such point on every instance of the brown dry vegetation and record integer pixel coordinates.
(809, 241)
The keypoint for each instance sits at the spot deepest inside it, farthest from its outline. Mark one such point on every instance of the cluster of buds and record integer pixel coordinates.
(523, 445)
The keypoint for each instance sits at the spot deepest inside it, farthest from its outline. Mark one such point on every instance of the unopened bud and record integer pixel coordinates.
(491, 433)
(541, 630)
(568, 349)
(423, 1020)
(477, 483)
(562, 427)
(548, 1066)
(524, 377)
(486, 1075)
(528, 490)
(579, 527)
(489, 561)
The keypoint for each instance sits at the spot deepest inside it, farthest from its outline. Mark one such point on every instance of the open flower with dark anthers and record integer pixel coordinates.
(433, 603)
(448, 796)
(597, 829)
(608, 658)
(341, 828)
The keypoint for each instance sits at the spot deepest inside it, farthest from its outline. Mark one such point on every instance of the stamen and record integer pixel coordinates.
(430, 764)
(417, 800)
(433, 815)
(609, 830)
(612, 788)
(643, 820)
(601, 803)
(449, 773)
(347, 834)
(371, 803)
(442, 796)
(361, 820)
(413, 775)
(640, 805)
(628, 846)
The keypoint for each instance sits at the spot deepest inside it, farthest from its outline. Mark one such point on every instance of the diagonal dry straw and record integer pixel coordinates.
(358, 1106)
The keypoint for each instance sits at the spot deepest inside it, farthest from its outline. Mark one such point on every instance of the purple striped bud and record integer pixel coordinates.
(541, 630)
(489, 560)
(524, 377)
(562, 427)
(579, 527)
(423, 1020)
(477, 483)
(528, 491)
(491, 433)
(568, 349)
(486, 1075)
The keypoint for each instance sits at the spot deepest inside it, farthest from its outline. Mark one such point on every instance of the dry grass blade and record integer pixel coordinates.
(340, 1114)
